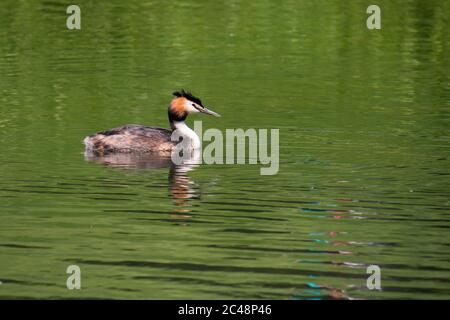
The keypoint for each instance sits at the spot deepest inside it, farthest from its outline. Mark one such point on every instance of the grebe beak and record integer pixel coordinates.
(207, 111)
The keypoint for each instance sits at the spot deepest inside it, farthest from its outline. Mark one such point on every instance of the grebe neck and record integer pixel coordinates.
(187, 133)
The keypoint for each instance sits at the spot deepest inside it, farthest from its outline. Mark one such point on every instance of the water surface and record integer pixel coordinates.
(364, 150)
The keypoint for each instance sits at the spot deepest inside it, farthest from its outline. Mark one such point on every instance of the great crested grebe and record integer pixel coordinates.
(138, 138)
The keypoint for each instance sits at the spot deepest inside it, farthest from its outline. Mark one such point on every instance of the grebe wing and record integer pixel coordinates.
(130, 138)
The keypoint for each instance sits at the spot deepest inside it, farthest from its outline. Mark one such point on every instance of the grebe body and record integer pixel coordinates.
(145, 139)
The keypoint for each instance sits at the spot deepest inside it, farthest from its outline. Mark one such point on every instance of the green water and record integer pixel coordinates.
(364, 150)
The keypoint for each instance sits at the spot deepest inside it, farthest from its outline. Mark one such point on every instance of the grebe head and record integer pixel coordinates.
(185, 103)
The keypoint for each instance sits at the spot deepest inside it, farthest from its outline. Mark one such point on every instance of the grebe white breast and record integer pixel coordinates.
(139, 138)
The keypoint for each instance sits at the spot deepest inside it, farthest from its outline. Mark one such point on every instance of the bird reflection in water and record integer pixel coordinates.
(181, 187)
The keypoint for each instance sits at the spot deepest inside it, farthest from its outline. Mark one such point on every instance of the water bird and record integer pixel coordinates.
(138, 138)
